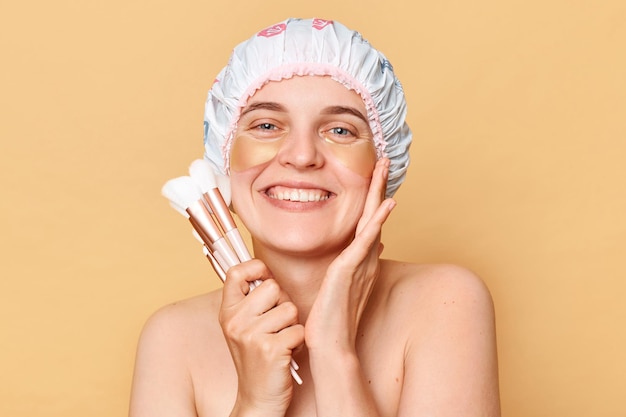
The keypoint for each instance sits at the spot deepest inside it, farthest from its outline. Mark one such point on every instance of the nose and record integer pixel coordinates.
(300, 150)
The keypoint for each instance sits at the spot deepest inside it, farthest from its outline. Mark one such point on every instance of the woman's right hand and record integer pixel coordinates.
(261, 329)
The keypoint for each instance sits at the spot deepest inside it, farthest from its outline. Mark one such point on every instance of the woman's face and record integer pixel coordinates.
(301, 163)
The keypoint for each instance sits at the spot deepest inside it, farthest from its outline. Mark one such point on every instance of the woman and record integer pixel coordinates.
(308, 121)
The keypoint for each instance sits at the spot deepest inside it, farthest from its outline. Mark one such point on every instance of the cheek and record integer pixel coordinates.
(241, 188)
(359, 157)
(247, 152)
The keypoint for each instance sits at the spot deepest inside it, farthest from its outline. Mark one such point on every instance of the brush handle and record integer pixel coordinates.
(236, 241)
(294, 372)
(221, 246)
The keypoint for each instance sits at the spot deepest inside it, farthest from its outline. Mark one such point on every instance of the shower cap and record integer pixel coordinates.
(298, 47)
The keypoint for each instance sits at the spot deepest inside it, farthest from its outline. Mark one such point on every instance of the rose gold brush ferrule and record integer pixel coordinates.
(215, 200)
(217, 260)
(196, 226)
(204, 222)
(216, 265)
(219, 207)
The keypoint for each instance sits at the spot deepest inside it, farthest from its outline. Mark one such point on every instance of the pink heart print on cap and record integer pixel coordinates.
(273, 30)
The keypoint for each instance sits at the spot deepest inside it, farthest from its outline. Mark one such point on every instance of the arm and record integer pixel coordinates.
(332, 325)
(451, 360)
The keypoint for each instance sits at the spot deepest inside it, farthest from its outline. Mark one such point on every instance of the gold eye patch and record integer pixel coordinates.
(247, 151)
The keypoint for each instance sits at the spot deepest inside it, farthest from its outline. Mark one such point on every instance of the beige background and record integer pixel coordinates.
(518, 110)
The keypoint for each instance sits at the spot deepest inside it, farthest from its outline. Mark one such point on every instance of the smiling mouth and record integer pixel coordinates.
(297, 194)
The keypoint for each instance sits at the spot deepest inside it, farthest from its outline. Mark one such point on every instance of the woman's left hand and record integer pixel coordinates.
(335, 315)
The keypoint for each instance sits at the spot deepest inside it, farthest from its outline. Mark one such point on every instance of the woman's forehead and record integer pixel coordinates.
(321, 91)
(315, 87)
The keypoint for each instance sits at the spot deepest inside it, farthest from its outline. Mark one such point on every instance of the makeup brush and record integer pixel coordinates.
(183, 192)
(207, 181)
(185, 196)
(202, 173)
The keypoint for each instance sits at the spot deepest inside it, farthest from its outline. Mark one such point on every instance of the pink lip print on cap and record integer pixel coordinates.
(320, 24)
(273, 30)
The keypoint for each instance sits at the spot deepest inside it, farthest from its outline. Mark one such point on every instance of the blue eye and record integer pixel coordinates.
(340, 131)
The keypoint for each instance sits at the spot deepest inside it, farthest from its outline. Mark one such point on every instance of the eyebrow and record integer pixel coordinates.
(263, 105)
(344, 110)
(270, 105)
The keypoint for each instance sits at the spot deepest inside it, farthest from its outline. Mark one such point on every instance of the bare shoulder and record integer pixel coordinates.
(163, 380)
(181, 331)
(434, 287)
(183, 316)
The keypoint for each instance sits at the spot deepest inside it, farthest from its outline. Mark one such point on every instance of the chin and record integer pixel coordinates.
(304, 243)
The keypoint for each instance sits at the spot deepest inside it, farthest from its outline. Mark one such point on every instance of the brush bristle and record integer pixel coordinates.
(223, 183)
(181, 191)
(179, 209)
(202, 173)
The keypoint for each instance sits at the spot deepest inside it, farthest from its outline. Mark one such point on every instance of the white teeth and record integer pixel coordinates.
(302, 196)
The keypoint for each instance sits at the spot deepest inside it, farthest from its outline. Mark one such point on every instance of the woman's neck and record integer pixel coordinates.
(299, 276)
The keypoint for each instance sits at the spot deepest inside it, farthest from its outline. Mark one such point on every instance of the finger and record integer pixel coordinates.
(376, 192)
(278, 318)
(238, 278)
(292, 337)
(264, 298)
(370, 233)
